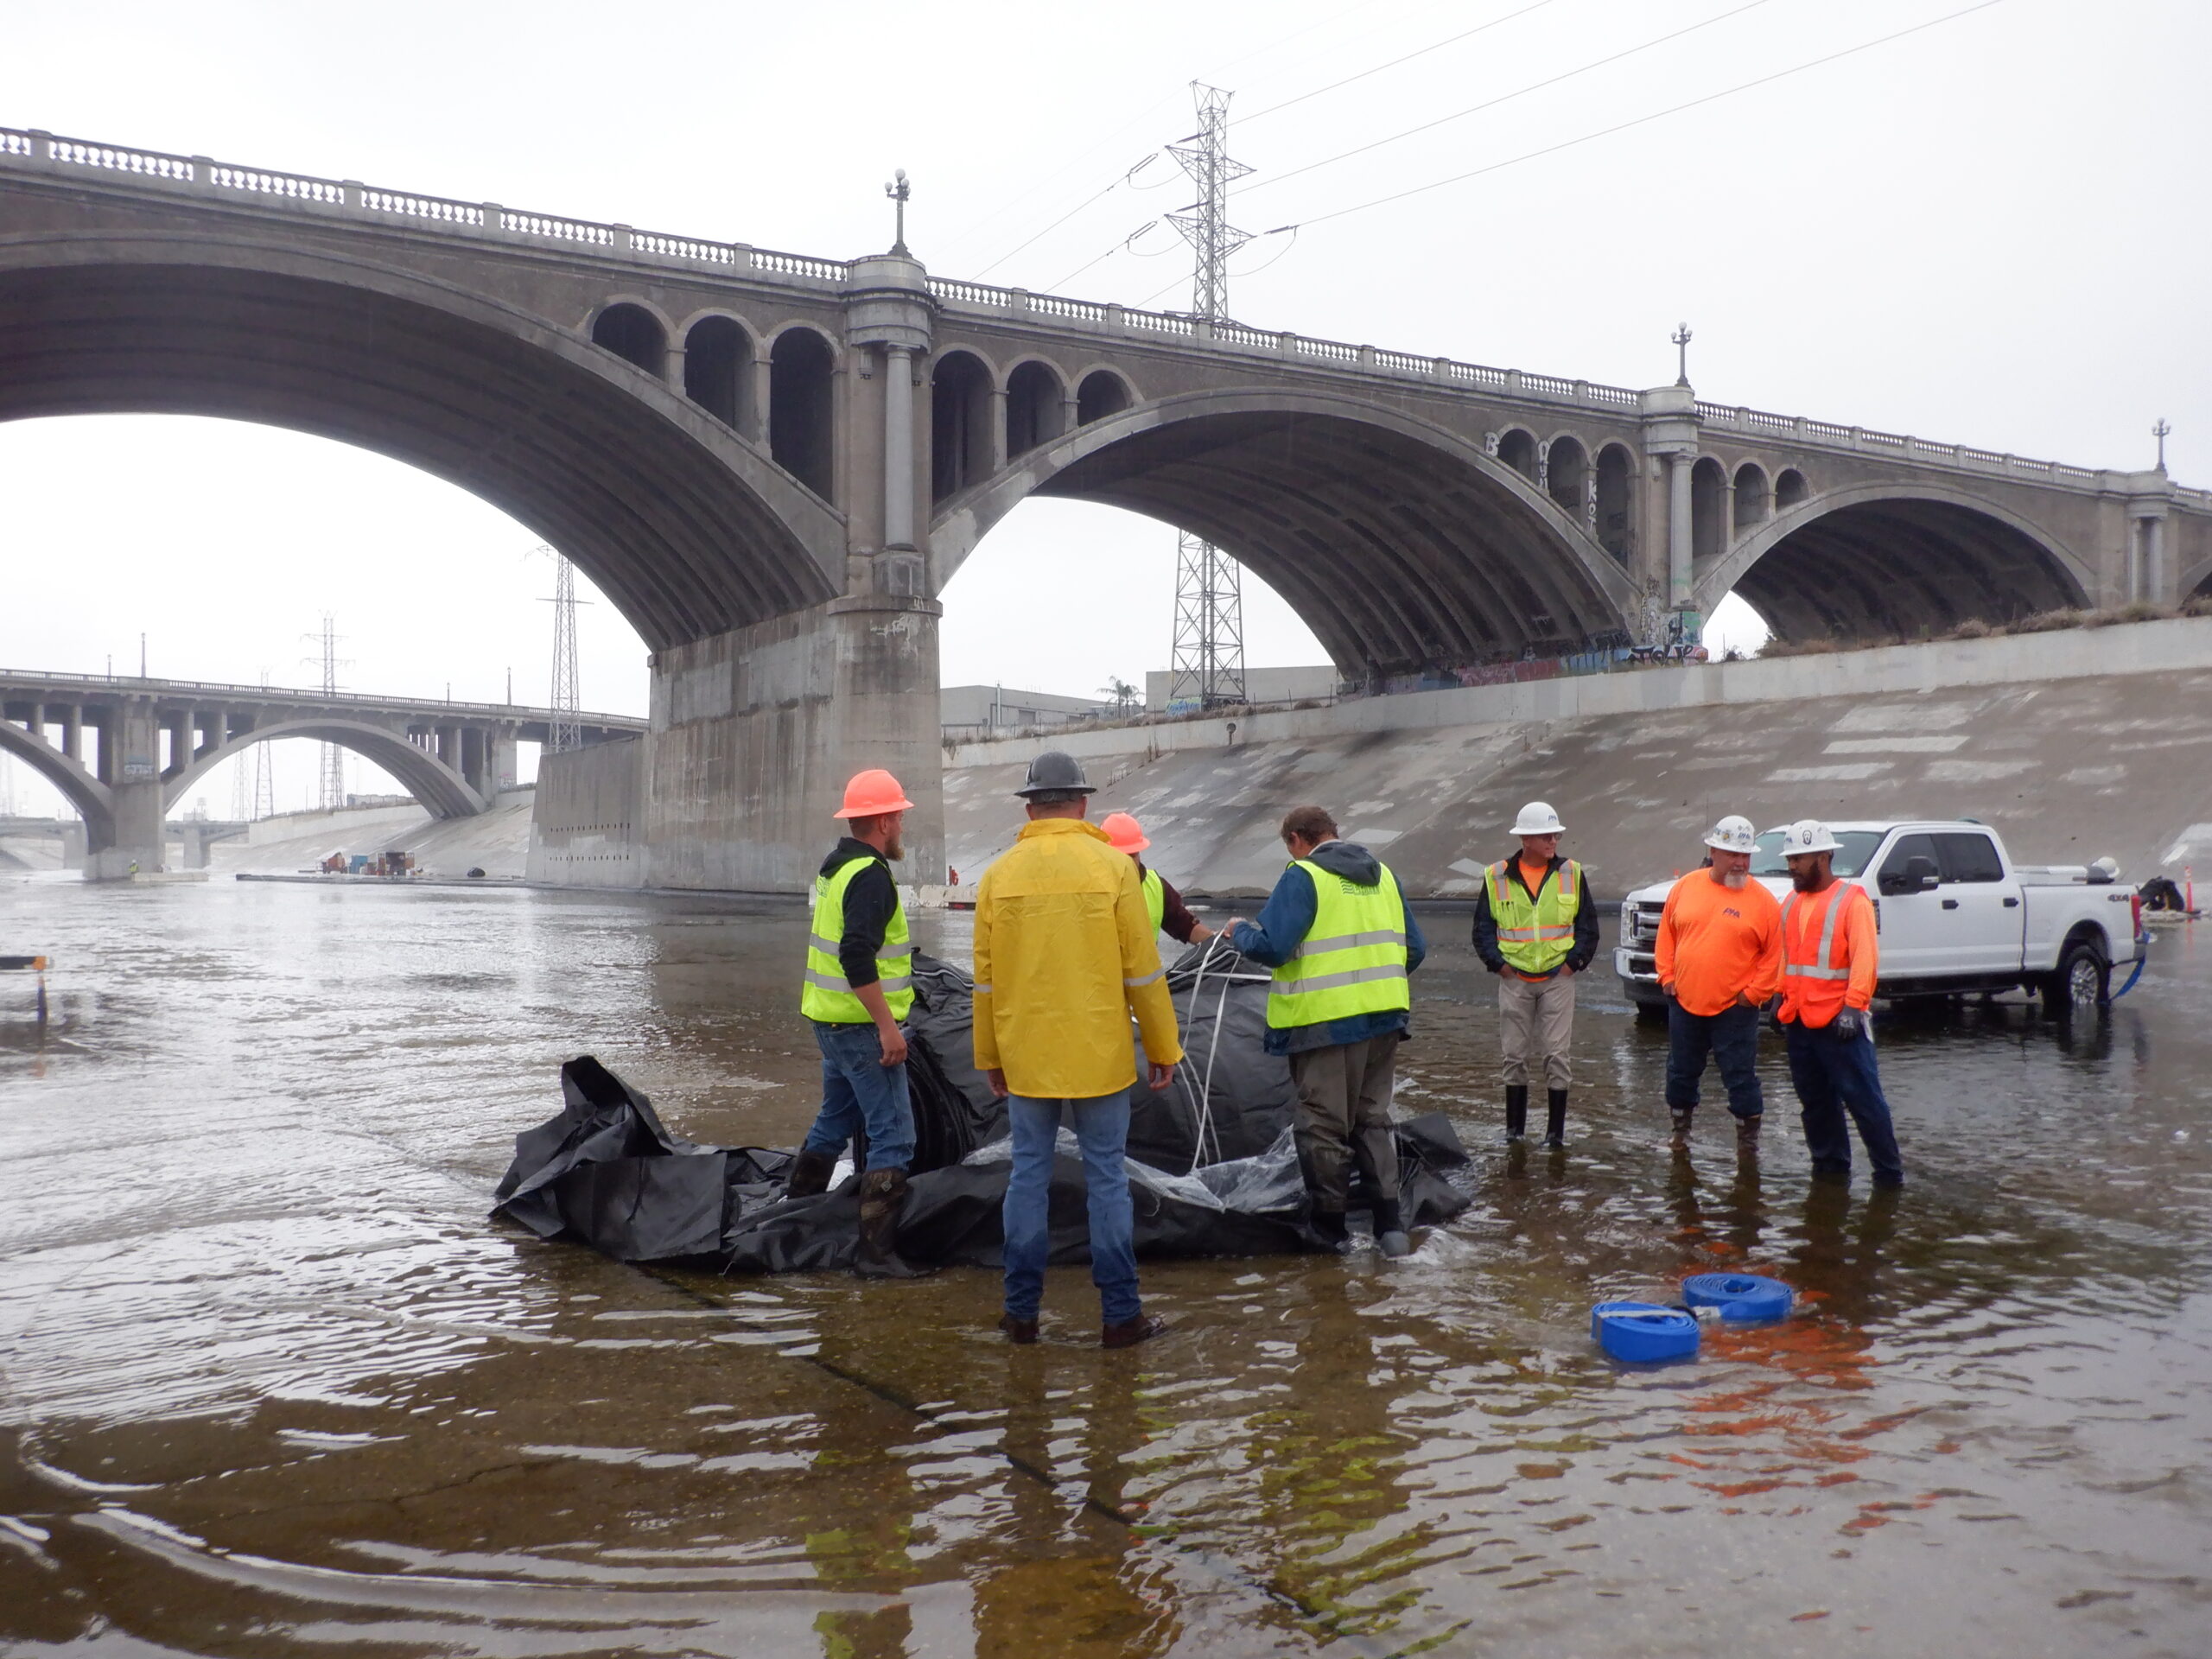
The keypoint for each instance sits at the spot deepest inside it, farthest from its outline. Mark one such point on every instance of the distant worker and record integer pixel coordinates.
(1830, 959)
(1536, 928)
(1064, 956)
(1165, 905)
(1342, 942)
(1719, 961)
(859, 990)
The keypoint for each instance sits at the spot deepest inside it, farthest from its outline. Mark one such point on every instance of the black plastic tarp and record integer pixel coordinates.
(1212, 1167)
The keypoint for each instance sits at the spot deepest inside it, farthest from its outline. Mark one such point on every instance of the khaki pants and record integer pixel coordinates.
(1343, 1114)
(1535, 1022)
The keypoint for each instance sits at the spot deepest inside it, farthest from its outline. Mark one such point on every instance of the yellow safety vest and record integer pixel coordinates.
(828, 996)
(1352, 960)
(1535, 934)
(1156, 898)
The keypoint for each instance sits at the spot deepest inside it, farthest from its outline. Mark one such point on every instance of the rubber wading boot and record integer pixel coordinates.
(810, 1175)
(1747, 1137)
(1516, 1111)
(1019, 1330)
(1130, 1332)
(1555, 1118)
(883, 1192)
(1328, 1226)
(1390, 1230)
(1679, 1141)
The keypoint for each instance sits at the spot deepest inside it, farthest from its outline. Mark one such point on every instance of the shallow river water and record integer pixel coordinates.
(271, 1384)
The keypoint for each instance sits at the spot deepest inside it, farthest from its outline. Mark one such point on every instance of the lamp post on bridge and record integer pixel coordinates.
(1681, 338)
(2161, 430)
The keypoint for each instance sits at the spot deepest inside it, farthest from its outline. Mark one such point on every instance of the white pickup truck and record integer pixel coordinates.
(1955, 914)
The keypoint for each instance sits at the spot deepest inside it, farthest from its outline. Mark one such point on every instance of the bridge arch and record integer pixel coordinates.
(441, 791)
(961, 413)
(718, 368)
(1402, 545)
(688, 528)
(1516, 448)
(1036, 399)
(803, 406)
(1567, 473)
(637, 331)
(1100, 392)
(71, 777)
(1877, 560)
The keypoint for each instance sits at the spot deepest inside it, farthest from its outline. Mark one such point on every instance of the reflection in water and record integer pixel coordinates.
(272, 1383)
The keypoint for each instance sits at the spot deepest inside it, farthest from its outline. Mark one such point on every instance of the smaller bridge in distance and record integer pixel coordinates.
(126, 751)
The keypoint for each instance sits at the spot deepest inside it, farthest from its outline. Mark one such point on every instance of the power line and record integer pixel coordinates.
(1641, 120)
(1505, 98)
(1437, 46)
(1126, 178)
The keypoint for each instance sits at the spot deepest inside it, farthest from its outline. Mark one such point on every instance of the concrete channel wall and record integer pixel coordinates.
(2072, 744)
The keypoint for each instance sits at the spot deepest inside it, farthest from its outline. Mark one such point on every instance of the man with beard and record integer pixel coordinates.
(1830, 957)
(1718, 960)
(859, 987)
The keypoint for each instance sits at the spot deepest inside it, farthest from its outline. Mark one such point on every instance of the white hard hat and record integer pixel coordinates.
(1731, 835)
(1807, 835)
(1537, 818)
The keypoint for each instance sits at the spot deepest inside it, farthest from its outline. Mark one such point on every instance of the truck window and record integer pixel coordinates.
(1853, 849)
(1911, 847)
(1969, 857)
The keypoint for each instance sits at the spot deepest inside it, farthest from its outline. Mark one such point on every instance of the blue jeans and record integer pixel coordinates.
(1102, 1127)
(858, 1091)
(1731, 1036)
(1834, 1077)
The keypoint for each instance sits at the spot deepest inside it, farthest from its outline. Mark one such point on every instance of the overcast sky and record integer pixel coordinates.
(1990, 231)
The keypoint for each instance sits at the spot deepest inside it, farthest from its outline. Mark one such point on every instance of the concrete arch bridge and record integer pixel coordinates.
(126, 752)
(773, 463)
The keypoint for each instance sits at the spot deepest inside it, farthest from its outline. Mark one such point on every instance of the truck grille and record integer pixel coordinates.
(1640, 924)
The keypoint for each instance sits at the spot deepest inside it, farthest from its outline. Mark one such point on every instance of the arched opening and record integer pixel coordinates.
(1567, 478)
(1409, 552)
(1615, 525)
(1789, 489)
(1033, 415)
(1709, 508)
(960, 423)
(718, 370)
(1753, 503)
(802, 425)
(1102, 393)
(634, 334)
(1517, 449)
(1901, 569)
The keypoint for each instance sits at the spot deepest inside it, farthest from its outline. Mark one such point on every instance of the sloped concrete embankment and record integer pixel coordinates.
(2073, 745)
(494, 842)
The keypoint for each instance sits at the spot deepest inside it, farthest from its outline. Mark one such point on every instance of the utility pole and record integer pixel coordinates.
(331, 784)
(1207, 668)
(565, 731)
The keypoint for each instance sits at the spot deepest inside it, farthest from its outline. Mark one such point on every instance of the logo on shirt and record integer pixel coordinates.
(1738, 914)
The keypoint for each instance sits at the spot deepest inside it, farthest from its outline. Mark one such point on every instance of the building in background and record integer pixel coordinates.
(1261, 685)
(970, 711)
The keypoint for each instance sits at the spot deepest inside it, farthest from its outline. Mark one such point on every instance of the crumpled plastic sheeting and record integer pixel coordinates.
(606, 1172)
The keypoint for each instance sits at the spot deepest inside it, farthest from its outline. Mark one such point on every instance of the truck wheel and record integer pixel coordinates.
(2083, 984)
(1651, 1013)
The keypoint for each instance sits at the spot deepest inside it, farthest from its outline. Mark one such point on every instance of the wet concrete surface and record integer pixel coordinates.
(270, 1384)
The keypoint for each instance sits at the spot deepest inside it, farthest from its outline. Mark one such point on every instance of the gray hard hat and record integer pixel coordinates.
(1056, 774)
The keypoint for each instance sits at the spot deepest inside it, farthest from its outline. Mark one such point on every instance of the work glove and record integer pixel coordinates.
(1849, 1025)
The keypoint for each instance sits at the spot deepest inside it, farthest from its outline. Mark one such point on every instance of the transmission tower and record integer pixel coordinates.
(1207, 668)
(330, 792)
(566, 729)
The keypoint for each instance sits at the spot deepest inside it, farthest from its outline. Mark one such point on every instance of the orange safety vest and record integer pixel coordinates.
(1816, 977)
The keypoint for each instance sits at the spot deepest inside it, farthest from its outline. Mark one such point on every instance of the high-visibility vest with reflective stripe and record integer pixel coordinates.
(1156, 898)
(828, 995)
(1816, 977)
(1535, 934)
(1352, 960)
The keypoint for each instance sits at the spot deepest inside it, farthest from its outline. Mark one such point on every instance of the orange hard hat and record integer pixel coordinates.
(872, 793)
(1126, 834)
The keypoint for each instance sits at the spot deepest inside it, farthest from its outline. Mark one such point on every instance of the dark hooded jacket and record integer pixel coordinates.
(1288, 917)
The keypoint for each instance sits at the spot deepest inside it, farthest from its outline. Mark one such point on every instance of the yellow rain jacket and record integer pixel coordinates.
(1065, 953)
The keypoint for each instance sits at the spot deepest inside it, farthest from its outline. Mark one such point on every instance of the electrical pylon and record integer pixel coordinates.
(331, 783)
(566, 729)
(1207, 665)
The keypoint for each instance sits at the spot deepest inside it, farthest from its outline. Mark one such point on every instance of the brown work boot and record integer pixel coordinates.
(810, 1175)
(1019, 1332)
(883, 1194)
(1130, 1332)
(1680, 1140)
(1747, 1137)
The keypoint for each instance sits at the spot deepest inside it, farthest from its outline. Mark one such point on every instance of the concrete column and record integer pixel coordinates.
(1070, 414)
(758, 383)
(73, 846)
(502, 768)
(674, 369)
(1679, 575)
(998, 429)
(898, 448)
(131, 748)
(38, 721)
(72, 732)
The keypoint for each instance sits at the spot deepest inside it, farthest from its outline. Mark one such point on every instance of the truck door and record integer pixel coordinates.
(1913, 921)
(1980, 901)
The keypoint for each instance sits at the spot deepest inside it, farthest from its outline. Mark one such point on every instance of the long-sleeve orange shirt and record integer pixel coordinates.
(1718, 942)
(1816, 1002)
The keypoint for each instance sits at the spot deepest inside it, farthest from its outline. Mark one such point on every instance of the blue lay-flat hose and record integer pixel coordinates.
(2142, 955)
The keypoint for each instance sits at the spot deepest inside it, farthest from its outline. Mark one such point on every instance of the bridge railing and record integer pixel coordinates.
(220, 692)
(349, 196)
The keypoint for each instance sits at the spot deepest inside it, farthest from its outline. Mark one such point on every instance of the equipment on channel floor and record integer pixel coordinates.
(1212, 1163)
(1742, 1298)
(1644, 1333)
